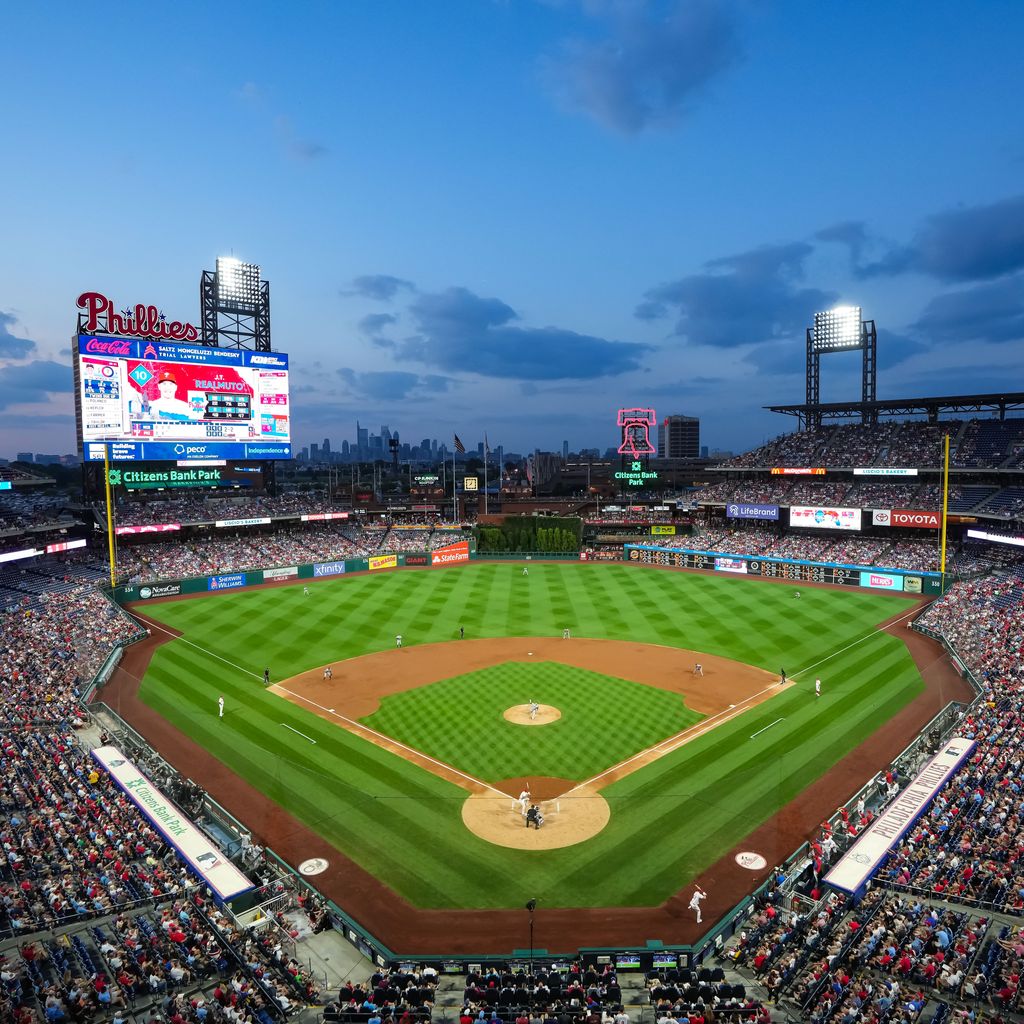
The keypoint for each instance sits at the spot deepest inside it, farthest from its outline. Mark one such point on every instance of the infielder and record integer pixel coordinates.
(566, 635)
(698, 670)
(698, 895)
(266, 677)
(328, 672)
(220, 707)
(534, 708)
(398, 640)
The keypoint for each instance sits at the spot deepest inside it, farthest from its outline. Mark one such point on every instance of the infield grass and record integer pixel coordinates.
(670, 819)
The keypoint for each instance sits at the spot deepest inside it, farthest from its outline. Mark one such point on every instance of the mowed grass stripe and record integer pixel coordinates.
(669, 819)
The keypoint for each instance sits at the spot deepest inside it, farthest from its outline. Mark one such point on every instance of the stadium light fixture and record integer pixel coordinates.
(237, 282)
(838, 328)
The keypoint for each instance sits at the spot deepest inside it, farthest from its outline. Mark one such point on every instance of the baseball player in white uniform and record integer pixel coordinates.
(220, 707)
(398, 640)
(698, 895)
(524, 802)
(534, 708)
(817, 687)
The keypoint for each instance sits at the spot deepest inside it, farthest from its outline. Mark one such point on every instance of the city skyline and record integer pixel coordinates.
(520, 217)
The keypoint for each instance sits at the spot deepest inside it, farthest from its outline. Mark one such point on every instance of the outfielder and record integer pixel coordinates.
(305, 591)
(398, 640)
(817, 687)
(566, 635)
(220, 707)
(526, 571)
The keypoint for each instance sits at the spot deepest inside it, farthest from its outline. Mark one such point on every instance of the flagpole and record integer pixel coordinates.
(455, 509)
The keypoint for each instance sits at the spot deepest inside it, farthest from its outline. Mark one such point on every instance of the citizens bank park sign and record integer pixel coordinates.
(138, 321)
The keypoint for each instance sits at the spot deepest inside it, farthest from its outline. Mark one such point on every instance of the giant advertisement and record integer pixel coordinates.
(161, 401)
(205, 859)
(825, 518)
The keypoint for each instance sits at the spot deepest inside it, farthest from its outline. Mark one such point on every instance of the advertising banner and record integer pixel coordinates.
(916, 519)
(259, 521)
(861, 861)
(881, 517)
(662, 531)
(151, 528)
(65, 545)
(881, 581)
(452, 553)
(731, 565)
(163, 397)
(317, 517)
(13, 556)
(328, 568)
(997, 538)
(884, 471)
(228, 582)
(737, 511)
(825, 518)
(160, 590)
(205, 859)
(790, 471)
(162, 479)
(417, 560)
(170, 451)
(285, 573)
(382, 562)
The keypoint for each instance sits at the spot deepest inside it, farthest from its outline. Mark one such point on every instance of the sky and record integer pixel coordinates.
(516, 216)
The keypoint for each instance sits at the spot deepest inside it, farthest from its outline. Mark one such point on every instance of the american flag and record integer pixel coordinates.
(459, 446)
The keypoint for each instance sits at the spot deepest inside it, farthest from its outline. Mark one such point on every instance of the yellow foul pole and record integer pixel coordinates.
(110, 513)
(945, 504)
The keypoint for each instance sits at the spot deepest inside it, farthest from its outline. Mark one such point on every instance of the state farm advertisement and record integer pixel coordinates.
(825, 518)
(450, 554)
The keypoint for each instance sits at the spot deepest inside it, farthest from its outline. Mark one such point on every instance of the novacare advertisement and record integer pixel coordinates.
(450, 554)
(206, 860)
(881, 581)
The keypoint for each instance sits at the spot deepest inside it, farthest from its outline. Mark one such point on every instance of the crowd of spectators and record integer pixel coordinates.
(405, 996)
(200, 508)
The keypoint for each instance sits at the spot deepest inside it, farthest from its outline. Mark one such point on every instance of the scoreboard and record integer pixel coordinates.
(781, 569)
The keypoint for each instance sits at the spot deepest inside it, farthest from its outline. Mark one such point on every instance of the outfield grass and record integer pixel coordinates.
(604, 720)
(670, 819)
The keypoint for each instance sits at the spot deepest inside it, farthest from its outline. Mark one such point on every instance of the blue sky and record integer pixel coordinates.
(518, 215)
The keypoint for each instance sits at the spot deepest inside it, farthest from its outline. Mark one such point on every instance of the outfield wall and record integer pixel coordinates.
(873, 577)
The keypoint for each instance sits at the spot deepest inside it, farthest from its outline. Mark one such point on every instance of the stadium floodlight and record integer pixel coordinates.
(237, 282)
(837, 328)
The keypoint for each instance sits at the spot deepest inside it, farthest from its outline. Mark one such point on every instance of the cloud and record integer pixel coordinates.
(975, 243)
(373, 323)
(306, 149)
(393, 384)
(382, 287)
(464, 332)
(850, 233)
(745, 299)
(12, 346)
(652, 62)
(990, 312)
(32, 382)
(894, 348)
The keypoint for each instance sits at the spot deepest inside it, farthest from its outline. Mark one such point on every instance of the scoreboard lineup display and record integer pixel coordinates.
(801, 572)
(145, 400)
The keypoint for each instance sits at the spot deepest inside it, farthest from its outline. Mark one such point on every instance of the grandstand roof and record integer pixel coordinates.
(1000, 402)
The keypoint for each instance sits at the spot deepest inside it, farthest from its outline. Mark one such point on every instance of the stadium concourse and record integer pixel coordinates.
(101, 920)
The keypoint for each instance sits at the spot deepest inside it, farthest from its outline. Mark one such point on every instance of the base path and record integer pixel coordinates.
(406, 929)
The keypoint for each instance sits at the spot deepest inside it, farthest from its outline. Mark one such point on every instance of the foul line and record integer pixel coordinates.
(412, 750)
(212, 654)
(767, 727)
(302, 734)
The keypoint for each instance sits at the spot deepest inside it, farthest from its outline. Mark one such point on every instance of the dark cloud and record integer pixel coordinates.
(991, 312)
(975, 243)
(894, 348)
(744, 299)
(654, 60)
(464, 332)
(373, 323)
(850, 233)
(32, 382)
(382, 385)
(382, 287)
(12, 346)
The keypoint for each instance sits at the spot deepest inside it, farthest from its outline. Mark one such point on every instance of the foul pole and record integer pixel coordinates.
(945, 507)
(110, 513)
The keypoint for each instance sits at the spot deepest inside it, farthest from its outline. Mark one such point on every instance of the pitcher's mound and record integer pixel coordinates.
(520, 714)
(570, 819)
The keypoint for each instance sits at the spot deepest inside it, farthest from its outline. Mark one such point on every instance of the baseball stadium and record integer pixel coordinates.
(724, 739)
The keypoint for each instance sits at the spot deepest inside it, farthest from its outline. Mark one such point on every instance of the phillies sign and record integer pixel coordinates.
(138, 322)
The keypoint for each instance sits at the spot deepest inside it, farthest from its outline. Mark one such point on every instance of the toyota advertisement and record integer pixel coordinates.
(906, 517)
(160, 401)
(825, 518)
(738, 511)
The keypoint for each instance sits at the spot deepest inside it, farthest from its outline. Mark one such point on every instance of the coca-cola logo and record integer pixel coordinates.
(138, 321)
(114, 347)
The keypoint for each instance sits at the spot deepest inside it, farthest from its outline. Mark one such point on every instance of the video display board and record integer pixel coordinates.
(153, 400)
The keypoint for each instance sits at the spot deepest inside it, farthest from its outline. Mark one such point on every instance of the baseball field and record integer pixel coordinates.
(409, 761)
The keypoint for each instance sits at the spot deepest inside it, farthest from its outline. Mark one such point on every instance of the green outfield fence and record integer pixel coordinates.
(645, 957)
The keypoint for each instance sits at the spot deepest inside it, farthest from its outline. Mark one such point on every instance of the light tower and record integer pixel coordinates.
(840, 330)
(235, 306)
